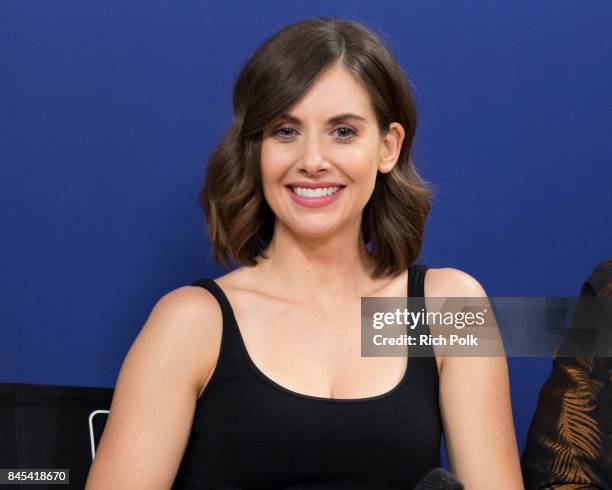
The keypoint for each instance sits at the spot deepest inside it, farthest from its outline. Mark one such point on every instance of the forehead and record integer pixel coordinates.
(334, 91)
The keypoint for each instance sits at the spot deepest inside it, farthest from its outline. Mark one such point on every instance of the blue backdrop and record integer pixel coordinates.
(109, 110)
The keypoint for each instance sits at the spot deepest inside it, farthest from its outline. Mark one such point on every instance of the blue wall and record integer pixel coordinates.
(108, 111)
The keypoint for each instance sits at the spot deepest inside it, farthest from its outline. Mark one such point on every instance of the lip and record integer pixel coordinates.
(315, 202)
(314, 185)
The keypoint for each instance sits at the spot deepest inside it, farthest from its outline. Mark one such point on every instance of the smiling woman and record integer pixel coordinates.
(314, 193)
(325, 94)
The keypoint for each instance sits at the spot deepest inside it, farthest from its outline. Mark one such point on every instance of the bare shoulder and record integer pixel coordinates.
(188, 303)
(189, 320)
(154, 400)
(196, 324)
(450, 282)
(192, 300)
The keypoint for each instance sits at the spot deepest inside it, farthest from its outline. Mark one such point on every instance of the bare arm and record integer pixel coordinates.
(154, 400)
(476, 408)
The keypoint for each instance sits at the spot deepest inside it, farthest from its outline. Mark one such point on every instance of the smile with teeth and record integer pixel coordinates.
(318, 192)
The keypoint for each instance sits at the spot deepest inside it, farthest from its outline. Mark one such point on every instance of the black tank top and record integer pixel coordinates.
(251, 433)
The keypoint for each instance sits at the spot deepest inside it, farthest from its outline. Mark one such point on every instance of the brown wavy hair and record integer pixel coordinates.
(278, 73)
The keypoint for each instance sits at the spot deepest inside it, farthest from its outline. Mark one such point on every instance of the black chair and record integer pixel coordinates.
(51, 427)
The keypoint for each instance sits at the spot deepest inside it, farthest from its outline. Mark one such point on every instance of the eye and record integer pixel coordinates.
(284, 132)
(346, 133)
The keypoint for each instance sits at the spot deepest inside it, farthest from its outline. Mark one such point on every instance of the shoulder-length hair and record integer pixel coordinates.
(274, 78)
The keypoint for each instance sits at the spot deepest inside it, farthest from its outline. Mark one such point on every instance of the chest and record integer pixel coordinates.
(313, 351)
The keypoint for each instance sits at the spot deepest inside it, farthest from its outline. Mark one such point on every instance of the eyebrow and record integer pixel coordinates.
(331, 120)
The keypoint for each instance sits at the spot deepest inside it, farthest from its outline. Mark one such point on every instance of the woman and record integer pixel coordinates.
(254, 379)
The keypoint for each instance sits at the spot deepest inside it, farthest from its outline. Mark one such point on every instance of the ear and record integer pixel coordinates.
(391, 145)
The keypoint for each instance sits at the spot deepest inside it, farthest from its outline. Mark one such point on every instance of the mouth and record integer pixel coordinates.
(314, 197)
(316, 192)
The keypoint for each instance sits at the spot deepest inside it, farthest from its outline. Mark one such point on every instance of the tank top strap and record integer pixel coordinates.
(416, 289)
(230, 360)
(230, 329)
(416, 280)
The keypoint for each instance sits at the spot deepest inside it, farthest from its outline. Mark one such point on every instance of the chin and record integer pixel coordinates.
(318, 230)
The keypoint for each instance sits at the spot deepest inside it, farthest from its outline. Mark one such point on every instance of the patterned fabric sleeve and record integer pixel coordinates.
(569, 444)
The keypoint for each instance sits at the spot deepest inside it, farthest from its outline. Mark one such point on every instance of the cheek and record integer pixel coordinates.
(358, 164)
(273, 163)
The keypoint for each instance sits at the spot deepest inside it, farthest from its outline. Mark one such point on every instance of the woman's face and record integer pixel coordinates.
(330, 138)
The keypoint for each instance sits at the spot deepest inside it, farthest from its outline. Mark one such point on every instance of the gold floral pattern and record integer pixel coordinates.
(569, 445)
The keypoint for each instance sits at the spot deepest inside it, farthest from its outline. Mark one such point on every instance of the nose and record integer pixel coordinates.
(313, 160)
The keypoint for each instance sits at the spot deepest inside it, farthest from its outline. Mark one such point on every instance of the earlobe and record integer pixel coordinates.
(386, 165)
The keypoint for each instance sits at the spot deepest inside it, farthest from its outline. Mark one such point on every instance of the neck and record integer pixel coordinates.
(320, 269)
